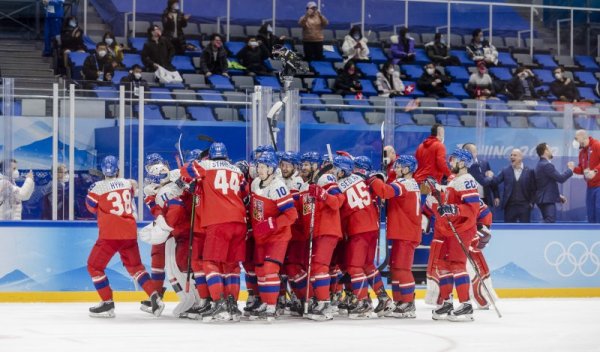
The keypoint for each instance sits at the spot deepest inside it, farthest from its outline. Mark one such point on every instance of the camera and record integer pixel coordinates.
(292, 62)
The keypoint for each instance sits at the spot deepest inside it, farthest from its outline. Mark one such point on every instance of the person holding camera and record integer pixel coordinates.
(522, 85)
(312, 24)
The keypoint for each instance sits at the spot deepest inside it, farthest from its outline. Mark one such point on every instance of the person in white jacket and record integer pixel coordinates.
(355, 46)
(11, 195)
(388, 81)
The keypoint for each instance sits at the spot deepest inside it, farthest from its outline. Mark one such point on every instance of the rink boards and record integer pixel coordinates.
(44, 261)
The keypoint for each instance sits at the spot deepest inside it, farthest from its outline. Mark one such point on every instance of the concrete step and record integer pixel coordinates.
(25, 54)
(97, 27)
(29, 72)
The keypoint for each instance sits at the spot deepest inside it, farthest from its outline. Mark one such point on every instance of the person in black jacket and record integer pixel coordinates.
(547, 179)
(267, 38)
(157, 51)
(522, 85)
(174, 21)
(347, 81)
(71, 40)
(432, 82)
(437, 52)
(214, 57)
(563, 87)
(134, 81)
(99, 65)
(253, 57)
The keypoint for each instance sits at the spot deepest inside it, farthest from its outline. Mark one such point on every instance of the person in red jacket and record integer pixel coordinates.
(431, 156)
(389, 157)
(589, 167)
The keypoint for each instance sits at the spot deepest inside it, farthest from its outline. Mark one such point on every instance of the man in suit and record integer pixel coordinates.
(518, 189)
(487, 191)
(547, 179)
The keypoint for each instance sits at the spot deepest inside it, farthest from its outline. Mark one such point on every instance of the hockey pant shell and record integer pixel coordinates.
(296, 260)
(198, 264)
(359, 257)
(323, 247)
(401, 260)
(269, 260)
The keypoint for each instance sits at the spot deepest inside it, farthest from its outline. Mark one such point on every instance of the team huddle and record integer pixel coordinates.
(305, 229)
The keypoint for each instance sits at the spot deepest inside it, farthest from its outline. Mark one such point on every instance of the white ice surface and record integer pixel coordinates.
(528, 325)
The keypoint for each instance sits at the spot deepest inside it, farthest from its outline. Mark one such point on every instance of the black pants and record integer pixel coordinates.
(517, 212)
(313, 51)
(548, 212)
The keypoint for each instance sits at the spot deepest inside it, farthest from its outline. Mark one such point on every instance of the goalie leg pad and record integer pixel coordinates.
(177, 279)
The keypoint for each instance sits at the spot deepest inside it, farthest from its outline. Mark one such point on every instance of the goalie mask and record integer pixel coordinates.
(158, 173)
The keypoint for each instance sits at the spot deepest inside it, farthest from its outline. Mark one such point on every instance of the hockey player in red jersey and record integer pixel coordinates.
(360, 220)
(111, 201)
(404, 230)
(458, 213)
(272, 214)
(223, 215)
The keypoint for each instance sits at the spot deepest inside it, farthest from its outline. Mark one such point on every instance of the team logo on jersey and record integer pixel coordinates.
(306, 202)
(258, 210)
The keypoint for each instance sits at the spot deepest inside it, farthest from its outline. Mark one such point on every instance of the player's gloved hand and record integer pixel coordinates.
(448, 210)
(484, 234)
(265, 227)
(374, 175)
(317, 192)
(151, 189)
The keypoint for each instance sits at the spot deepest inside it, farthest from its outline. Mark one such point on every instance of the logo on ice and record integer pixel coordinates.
(577, 257)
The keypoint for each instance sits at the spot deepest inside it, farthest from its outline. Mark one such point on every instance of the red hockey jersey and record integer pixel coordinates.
(327, 212)
(403, 208)
(276, 201)
(462, 191)
(111, 201)
(359, 214)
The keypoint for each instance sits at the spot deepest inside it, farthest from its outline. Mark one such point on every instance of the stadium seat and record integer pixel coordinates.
(234, 47)
(227, 114)
(77, 59)
(210, 95)
(307, 116)
(310, 99)
(332, 99)
(332, 55)
(506, 60)
(375, 118)
(587, 93)
(496, 121)
(152, 112)
(377, 55)
(327, 116)
(353, 117)
(586, 122)
(413, 71)
(368, 69)
(137, 43)
(235, 96)
(367, 87)
(319, 86)
(160, 93)
(459, 73)
(540, 121)
(545, 75)
(452, 103)
(201, 113)
(323, 68)
(243, 82)
(106, 92)
(586, 78)
(587, 62)
(195, 81)
(90, 45)
(462, 57)
(566, 62)
(183, 64)
(220, 82)
(404, 119)
(184, 94)
(118, 75)
(545, 60)
(421, 56)
(268, 81)
(424, 119)
(450, 120)
(132, 59)
(457, 90)
(174, 112)
(517, 121)
(501, 73)
(350, 99)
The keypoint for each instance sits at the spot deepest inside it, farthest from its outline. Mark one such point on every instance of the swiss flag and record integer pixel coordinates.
(409, 89)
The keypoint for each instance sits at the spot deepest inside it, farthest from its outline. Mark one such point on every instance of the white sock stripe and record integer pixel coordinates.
(301, 278)
(157, 270)
(461, 274)
(358, 278)
(199, 274)
(211, 275)
(98, 278)
(407, 285)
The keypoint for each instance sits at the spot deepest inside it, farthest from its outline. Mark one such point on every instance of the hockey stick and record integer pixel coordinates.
(205, 138)
(381, 266)
(192, 190)
(311, 231)
(180, 154)
(436, 194)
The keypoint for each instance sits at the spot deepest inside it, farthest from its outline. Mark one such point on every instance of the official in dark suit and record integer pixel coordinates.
(547, 179)
(487, 191)
(518, 189)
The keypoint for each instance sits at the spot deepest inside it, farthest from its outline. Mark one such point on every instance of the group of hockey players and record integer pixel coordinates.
(304, 227)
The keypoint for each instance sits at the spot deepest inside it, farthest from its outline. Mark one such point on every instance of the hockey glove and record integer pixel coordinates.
(264, 228)
(484, 234)
(448, 210)
(376, 174)
(317, 192)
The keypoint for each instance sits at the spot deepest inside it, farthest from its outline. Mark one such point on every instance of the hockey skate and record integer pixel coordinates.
(219, 312)
(104, 309)
(335, 300)
(157, 304)
(196, 311)
(296, 307)
(348, 303)
(265, 313)
(146, 305)
(443, 311)
(319, 311)
(364, 310)
(252, 304)
(405, 310)
(463, 313)
(234, 311)
(282, 303)
(385, 306)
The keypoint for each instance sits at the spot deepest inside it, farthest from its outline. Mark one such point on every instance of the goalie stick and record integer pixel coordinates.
(437, 195)
(386, 260)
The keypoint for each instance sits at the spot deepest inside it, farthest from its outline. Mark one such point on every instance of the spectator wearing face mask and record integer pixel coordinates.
(71, 40)
(157, 51)
(481, 85)
(253, 57)
(481, 50)
(563, 87)
(433, 83)
(214, 57)
(522, 85)
(313, 23)
(437, 52)
(62, 205)
(11, 195)
(347, 81)
(388, 81)
(403, 47)
(115, 50)
(96, 65)
(267, 38)
(174, 21)
(134, 81)
(355, 45)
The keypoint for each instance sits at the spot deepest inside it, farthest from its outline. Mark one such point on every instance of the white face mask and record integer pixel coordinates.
(269, 29)
(109, 41)
(576, 145)
(175, 7)
(390, 71)
(15, 174)
(431, 71)
(558, 75)
(356, 37)
(73, 24)
(65, 178)
(137, 75)
(253, 44)
(102, 53)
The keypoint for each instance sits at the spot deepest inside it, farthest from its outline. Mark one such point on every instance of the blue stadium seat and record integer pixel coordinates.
(586, 77)
(545, 60)
(246, 113)
(174, 85)
(452, 103)
(106, 92)
(211, 95)
(462, 57)
(220, 82)
(543, 106)
(404, 119)
(310, 98)
(137, 43)
(90, 45)
(421, 56)
(540, 121)
(545, 75)
(457, 90)
(195, 43)
(183, 64)
(319, 86)
(323, 68)
(268, 81)
(131, 59)
(451, 120)
(152, 112)
(333, 56)
(201, 113)
(506, 60)
(501, 73)
(587, 93)
(368, 69)
(18, 108)
(118, 75)
(586, 122)
(496, 121)
(234, 47)
(401, 102)
(353, 117)
(459, 73)
(377, 55)
(498, 106)
(77, 58)
(367, 87)
(413, 71)
(307, 116)
(160, 93)
(234, 72)
(587, 62)
(350, 99)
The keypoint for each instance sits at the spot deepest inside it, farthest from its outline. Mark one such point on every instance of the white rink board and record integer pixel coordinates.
(528, 325)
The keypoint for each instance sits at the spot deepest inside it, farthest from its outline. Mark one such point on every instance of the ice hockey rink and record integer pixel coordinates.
(526, 325)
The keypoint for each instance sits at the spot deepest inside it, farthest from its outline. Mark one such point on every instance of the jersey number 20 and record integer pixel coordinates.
(120, 203)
